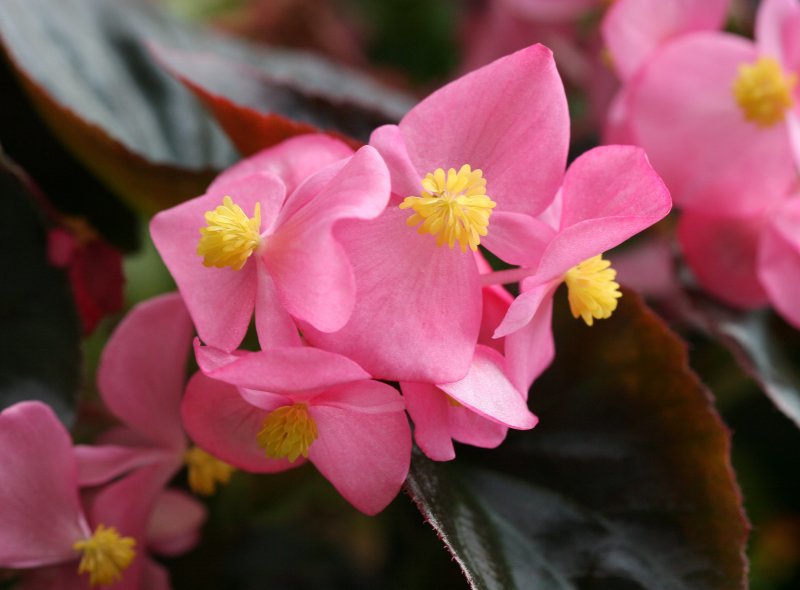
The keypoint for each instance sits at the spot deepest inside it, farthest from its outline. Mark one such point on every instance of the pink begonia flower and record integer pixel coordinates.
(268, 411)
(609, 194)
(71, 541)
(418, 307)
(268, 241)
(707, 106)
(141, 379)
(552, 10)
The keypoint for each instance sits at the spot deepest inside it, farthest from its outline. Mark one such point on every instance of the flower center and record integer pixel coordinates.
(205, 471)
(593, 293)
(288, 432)
(764, 91)
(105, 555)
(453, 207)
(229, 237)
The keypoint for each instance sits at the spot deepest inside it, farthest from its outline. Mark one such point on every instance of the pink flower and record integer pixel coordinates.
(718, 113)
(262, 237)
(268, 411)
(141, 378)
(72, 541)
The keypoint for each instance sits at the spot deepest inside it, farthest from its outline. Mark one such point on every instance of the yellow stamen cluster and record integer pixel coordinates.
(593, 294)
(229, 237)
(206, 471)
(764, 91)
(453, 207)
(288, 432)
(105, 555)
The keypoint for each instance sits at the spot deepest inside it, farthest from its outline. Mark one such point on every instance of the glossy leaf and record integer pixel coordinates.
(763, 344)
(625, 483)
(40, 346)
(261, 97)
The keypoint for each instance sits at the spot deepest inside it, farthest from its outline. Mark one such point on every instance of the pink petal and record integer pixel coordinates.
(417, 312)
(220, 300)
(516, 238)
(218, 419)
(292, 160)
(280, 370)
(487, 390)
(531, 349)
(499, 119)
(143, 369)
(617, 128)
(365, 456)
(551, 10)
(365, 397)
(427, 407)
(496, 301)
(778, 31)
(721, 252)
(100, 464)
(311, 271)
(174, 526)
(779, 261)
(525, 307)
(685, 116)
(610, 193)
(274, 326)
(634, 29)
(155, 576)
(40, 514)
(473, 429)
(389, 142)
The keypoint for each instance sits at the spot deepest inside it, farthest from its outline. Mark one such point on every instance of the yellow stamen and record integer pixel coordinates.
(206, 471)
(105, 555)
(229, 237)
(593, 293)
(453, 207)
(288, 432)
(764, 91)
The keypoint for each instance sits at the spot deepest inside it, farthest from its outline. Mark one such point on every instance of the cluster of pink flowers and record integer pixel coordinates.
(358, 268)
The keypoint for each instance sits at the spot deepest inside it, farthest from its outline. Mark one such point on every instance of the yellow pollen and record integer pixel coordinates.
(105, 555)
(764, 91)
(206, 471)
(229, 237)
(453, 207)
(593, 293)
(288, 432)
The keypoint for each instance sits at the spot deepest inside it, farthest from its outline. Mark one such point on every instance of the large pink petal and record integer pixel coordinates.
(496, 301)
(525, 307)
(220, 300)
(473, 429)
(100, 464)
(634, 29)
(487, 390)
(427, 407)
(778, 31)
(143, 369)
(721, 252)
(280, 370)
(366, 397)
(311, 271)
(389, 142)
(500, 119)
(174, 526)
(610, 193)
(517, 238)
(779, 261)
(274, 326)
(365, 456)
(292, 160)
(217, 418)
(685, 116)
(40, 514)
(531, 349)
(418, 306)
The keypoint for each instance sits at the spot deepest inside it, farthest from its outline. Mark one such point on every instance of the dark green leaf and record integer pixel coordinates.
(625, 484)
(40, 349)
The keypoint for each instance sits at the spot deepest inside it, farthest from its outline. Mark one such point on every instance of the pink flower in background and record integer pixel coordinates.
(268, 411)
(262, 237)
(141, 378)
(717, 113)
(63, 540)
(460, 164)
